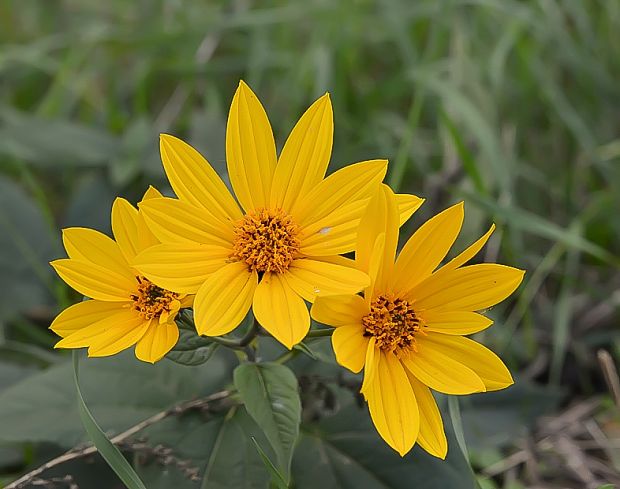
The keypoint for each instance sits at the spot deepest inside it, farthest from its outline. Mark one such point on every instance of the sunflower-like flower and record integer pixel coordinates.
(277, 246)
(407, 331)
(126, 308)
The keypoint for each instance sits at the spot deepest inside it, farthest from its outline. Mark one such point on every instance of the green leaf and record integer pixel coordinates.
(537, 225)
(270, 394)
(277, 479)
(232, 461)
(496, 419)
(135, 148)
(306, 350)
(121, 390)
(191, 349)
(345, 451)
(455, 417)
(106, 449)
(10, 457)
(467, 159)
(90, 204)
(51, 142)
(26, 245)
(11, 373)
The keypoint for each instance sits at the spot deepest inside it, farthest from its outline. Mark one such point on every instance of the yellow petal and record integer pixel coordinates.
(371, 364)
(432, 436)
(309, 278)
(336, 260)
(83, 314)
(152, 192)
(195, 181)
(118, 338)
(336, 233)
(392, 404)
(469, 253)
(250, 150)
(146, 237)
(224, 299)
(181, 267)
(439, 371)
(280, 310)
(469, 288)
(345, 186)
(158, 340)
(92, 246)
(381, 217)
(350, 346)
(407, 205)
(429, 245)
(120, 323)
(486, 364)
(95, 281)
(455, 322)
(305, 156)
(175, 221)
(375, 266)
(125, 226)
(339, 310)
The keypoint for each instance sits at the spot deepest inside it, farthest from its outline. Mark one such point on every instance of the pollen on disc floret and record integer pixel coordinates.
(393, 323)
(152, 301)
(267, 240)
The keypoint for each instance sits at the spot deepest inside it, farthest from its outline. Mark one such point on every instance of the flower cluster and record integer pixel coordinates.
(278, 244)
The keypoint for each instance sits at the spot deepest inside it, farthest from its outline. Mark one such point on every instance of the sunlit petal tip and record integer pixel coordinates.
(427, 247)
(325, 98)
(152, 193)
(245, 89)
(280, 310)
(168, 140)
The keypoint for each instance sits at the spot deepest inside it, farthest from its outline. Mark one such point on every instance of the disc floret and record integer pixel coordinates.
(153, 302)
(393, 323)
(267, 240)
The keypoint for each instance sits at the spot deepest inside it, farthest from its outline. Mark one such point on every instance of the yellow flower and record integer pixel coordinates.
(126, 308)
(407, 331)
(283, 247)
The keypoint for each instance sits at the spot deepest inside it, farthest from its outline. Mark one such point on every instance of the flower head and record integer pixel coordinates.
(126, 308)
(277, 244)
(407, 331)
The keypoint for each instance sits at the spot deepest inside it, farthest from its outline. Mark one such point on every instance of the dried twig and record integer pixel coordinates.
(90, 449)
(611, 374)
(558, 426)
(576, 462)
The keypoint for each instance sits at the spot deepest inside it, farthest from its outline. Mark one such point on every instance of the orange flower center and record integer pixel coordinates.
(393, 323)
(151, 301)
(267, 240)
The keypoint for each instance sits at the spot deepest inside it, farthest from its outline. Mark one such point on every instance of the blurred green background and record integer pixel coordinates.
(512, 106)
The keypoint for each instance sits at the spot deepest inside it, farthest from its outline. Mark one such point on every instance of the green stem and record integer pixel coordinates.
(235, 343)
(286, 356)
(319, 333)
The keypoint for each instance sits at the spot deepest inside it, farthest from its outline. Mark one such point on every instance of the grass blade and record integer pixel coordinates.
(108, 451)
(277, 479)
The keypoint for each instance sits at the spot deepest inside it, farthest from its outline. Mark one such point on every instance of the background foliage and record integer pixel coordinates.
(509, 105)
